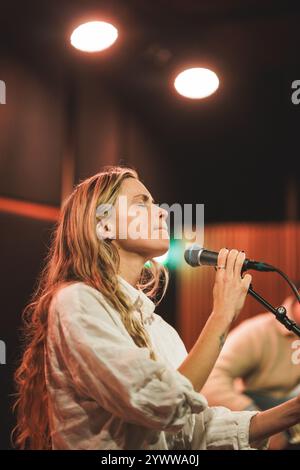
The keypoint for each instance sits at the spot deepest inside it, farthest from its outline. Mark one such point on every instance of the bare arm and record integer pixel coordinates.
(241, 355)
(202, 357)
(272, 421)
(230, 291)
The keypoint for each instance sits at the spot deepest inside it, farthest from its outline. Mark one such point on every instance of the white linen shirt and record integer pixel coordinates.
(105, 392)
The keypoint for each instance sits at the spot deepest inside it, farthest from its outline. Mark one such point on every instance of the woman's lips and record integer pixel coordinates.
(163, 230)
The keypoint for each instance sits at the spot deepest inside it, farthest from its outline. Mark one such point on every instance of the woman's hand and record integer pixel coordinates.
(278, 441)
(230, 289)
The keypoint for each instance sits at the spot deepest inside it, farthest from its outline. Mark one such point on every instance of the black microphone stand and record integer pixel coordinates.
(279, 312)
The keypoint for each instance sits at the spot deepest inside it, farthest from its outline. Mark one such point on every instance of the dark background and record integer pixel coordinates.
(69, 113)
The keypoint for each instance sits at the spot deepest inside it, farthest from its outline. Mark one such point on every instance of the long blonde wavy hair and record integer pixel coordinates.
(75, 254)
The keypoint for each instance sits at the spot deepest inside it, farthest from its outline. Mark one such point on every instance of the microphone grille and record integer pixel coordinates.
(191, 254)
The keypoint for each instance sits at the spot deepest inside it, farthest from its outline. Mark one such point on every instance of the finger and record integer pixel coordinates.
(222, 258)
(239, 263)
(246, 281)
(231, 262)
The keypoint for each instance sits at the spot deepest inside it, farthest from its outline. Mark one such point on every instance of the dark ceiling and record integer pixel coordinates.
(236, 151)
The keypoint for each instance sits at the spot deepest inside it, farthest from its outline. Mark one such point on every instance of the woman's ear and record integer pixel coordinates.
(104, 230)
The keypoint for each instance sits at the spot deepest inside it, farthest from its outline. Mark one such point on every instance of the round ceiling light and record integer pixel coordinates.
(196, 83)
(94, 36)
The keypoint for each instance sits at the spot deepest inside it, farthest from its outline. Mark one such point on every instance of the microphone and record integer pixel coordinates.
(197, 256)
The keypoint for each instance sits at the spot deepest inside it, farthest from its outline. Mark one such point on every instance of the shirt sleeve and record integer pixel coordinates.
(106, 365)
(226, 429)
(239, 357)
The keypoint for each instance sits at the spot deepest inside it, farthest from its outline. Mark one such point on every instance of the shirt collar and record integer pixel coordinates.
(141, 302)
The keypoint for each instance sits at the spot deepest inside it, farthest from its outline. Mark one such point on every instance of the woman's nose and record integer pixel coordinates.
(163, 213)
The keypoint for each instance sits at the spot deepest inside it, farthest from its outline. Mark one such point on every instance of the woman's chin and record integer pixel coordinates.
(147, 248)
(159, 248)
